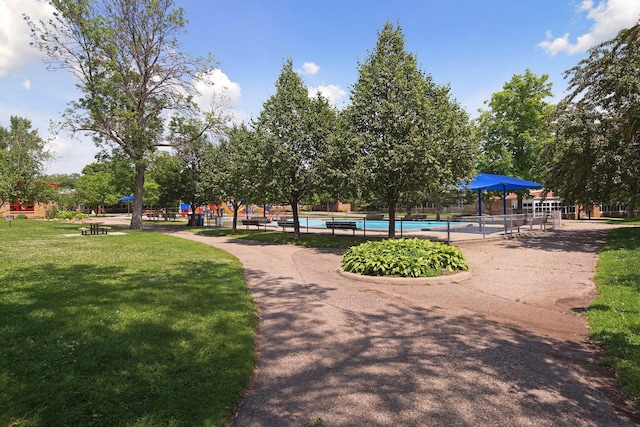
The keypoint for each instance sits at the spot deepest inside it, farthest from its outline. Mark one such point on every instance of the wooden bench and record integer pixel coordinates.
(256, 221)
(104, 229)
(83, 230)
(342, 225)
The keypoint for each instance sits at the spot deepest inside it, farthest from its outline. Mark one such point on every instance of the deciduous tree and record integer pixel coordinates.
(407, 133)
(132, 71)
(292, 131)
(515, 127)
(230, 169)
(596, 153)
(22, 158)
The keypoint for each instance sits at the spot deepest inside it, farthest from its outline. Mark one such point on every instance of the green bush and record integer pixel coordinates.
(67, 214)
(21, 216)
(51, 213)
(404, 258)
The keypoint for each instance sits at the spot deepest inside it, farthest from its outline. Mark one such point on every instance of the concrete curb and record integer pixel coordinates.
(384, 280)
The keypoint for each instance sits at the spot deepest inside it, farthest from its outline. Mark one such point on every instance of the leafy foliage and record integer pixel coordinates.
(596, 154)
(404, 133)
(22, 158)
(515, 127)
(403, 257)
(132, 71)
(231, 169)
(292, 131)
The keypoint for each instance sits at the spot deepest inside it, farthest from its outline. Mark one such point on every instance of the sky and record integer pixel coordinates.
(474, 46)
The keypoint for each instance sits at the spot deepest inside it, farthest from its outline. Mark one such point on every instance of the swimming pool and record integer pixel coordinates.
(374, 225)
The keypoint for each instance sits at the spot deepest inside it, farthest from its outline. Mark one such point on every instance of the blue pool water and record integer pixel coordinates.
(375, 225)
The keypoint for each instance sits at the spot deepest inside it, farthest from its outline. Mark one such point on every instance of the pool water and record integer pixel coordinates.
(375, 225)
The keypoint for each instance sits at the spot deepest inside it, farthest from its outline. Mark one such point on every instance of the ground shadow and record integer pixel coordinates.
(412, 366)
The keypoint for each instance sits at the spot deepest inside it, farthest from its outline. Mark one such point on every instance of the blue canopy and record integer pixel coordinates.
(487, 181)
(125, 199)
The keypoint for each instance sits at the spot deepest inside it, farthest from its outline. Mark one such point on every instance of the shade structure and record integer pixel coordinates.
(488, 181)
(125, 199)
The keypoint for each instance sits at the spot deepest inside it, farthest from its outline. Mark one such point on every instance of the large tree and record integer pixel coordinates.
(292, 131)
(131, 70)
(596, 153)
(407, 134)
(22, 158)
(515, 126)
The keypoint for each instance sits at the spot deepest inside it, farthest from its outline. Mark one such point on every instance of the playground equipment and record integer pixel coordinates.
(244, 209)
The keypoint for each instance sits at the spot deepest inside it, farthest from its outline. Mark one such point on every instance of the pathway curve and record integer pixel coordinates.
(506, 347)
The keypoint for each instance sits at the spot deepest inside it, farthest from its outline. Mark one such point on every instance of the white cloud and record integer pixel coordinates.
(218, 92)
(70, 155)
(310, 68)
(26, 84)
(332, 92)
(15, 36)
(215, 87)
(609, 16)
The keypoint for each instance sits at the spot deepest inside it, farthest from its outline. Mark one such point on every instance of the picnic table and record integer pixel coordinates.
(95, 227)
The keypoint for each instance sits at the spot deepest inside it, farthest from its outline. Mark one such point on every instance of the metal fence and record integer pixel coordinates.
(458, 228)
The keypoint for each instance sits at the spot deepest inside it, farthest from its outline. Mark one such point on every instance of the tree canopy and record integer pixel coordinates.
(292, 130)
(131, 70)
(22, 159)
(595, 156)
(406, 134)
(231, 169)
(514, 128)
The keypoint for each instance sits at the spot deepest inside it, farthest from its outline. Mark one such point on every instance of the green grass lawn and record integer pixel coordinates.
(614, 316)
(306, 239)
(139, 329)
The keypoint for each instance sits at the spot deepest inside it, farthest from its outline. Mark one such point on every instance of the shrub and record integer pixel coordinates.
(404, 258)
(51, 213)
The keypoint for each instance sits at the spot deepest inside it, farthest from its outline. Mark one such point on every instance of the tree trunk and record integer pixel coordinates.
(138, 194)
(631, 213)
(236, 206)
(296, 219)
(392, 220)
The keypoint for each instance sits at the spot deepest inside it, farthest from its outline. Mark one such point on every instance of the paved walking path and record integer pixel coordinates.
(507, 347)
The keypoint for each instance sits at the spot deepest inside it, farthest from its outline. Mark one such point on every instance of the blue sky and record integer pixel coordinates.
(474, 46)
